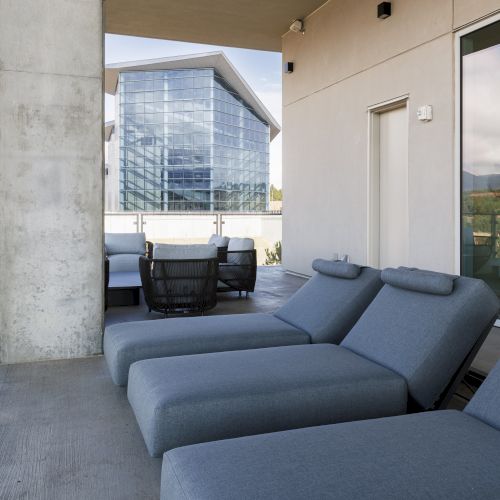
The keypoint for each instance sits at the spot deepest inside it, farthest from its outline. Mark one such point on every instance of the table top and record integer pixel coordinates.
(125, 280)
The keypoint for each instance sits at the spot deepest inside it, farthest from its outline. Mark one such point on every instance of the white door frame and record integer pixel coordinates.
(373, 177)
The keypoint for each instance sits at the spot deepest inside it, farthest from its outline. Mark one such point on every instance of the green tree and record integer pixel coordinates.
(273, 255)
(276, 194)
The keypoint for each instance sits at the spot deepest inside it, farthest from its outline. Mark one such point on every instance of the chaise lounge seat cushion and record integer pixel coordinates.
(127, 343)
(434, 455)
(191, 399)
(323, 310)
(420, 338)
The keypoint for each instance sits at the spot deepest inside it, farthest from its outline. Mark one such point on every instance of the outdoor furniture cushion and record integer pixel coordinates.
(324, 310)
(191, 399)
(127, 243)
(184, 252)
(485, 405)
(327, 306)
(129, 342)
(337, 268)
(419, 281)
(218, 241)
(124, 263)
(424, 337)
(434, 455)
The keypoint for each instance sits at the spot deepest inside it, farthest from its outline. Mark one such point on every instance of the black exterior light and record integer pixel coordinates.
(288, 67)
(384, 10)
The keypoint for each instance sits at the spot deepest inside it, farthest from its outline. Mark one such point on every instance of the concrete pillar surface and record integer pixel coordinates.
(51, 173)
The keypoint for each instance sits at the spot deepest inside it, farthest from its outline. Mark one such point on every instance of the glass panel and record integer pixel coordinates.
(480, 52)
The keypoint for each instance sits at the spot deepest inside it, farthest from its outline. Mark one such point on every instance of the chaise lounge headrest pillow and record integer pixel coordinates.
(419, 281)
(336, 268)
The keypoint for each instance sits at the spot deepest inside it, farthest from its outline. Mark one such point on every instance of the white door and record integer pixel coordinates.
(393, 196)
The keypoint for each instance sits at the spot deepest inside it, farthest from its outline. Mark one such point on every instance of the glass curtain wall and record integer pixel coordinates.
(188, 142)
(480, 155)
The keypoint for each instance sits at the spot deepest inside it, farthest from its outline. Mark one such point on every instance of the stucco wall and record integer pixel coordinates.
(347, 61)
(50, 179)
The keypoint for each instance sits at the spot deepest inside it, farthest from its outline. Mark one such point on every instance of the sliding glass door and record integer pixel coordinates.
(480, 154)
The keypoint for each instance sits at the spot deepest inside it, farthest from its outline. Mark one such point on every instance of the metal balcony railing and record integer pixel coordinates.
(197, 227)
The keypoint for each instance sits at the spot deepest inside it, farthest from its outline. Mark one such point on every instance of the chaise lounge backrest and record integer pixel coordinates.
(422, 325)
(124, 250)
(485, 405)
(331, 302)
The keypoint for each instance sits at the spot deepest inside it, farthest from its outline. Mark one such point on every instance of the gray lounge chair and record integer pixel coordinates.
(123, 251)
(433, 455)
(403, 355)
(323, 310)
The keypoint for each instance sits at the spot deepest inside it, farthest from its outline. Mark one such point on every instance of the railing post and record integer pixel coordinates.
(220, 224)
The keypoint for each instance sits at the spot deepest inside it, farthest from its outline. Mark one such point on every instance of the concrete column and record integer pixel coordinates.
(51, 279)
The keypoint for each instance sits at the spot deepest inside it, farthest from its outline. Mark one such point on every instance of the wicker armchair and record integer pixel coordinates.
(238, 271)
(172, 286)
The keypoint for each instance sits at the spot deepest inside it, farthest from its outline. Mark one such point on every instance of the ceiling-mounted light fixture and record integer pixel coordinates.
(384, 10)
(297, 26)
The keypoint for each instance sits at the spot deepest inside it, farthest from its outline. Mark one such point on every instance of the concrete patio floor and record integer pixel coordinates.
(66, 432)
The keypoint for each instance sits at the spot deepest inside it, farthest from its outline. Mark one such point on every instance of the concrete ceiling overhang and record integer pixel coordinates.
(250, 24)
(215, 60)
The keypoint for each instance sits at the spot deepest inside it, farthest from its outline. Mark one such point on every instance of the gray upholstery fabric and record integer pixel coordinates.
(129, 342)
(190, 399)
(218, 241)
(124, 263)
(327, 307)
(129, 243)
(424, 337)
(419, 281)
(485, 404)
(337, 268)
(180, 252)
(435, 455)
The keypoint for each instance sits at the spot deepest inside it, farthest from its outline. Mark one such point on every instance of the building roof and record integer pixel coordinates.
(108, 130)
(216, 60)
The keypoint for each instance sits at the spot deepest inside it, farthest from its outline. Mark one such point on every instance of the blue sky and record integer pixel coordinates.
(262, 71)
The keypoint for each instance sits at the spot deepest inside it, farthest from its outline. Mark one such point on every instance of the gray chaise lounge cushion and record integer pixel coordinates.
(191, 399)
(331, 302)
(434, 455)
(129, 342)
(337, 268)
(424, 337)
(485, 404)
(325, 308)
(419, 281)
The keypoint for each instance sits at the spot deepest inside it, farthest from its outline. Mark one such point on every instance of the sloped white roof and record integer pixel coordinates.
(108, 130)
(216, 60)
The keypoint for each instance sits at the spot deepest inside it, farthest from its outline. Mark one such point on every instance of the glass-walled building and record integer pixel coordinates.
(187, 140)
